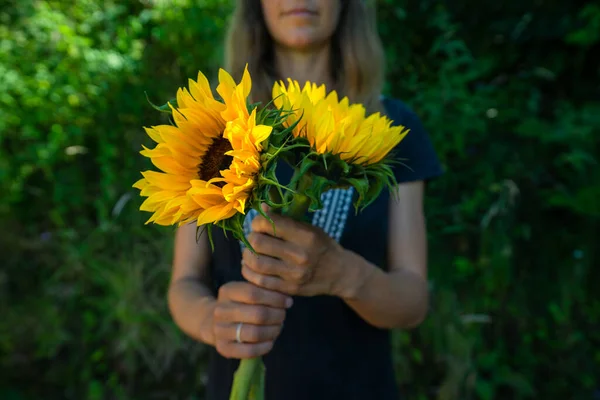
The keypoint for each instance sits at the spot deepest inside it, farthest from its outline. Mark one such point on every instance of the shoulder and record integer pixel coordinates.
(399, 112)
(416, 150)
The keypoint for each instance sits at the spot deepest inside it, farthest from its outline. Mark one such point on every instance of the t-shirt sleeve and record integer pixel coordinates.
(417, 158)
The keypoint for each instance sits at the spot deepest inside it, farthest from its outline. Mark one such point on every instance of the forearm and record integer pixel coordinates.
(191, 304)
(397, 299)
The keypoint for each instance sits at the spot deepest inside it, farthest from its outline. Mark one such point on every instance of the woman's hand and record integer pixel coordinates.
(261, 313)
(296, 258)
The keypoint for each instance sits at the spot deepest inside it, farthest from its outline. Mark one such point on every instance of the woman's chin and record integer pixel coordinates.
(303, 43)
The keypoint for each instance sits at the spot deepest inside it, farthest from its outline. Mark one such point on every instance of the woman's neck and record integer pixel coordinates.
(302, 66)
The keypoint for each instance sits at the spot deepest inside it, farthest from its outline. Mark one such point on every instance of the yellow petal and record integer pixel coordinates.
(164, 219)
(170, 166)
(198, 90)
(167, 181)
(226, 85)
(233, 192)
(203, 86)
(259, 134)
(204, 125)
(184, 98)
(379, 155)
(149, 190)
(159, 151)
(216, 213)
(156, 201)
(246, 83)
(154, 134)
(206, 197)
(240, 205)
(235, 132)
(204, 187)
(140, 184)
(178, 142)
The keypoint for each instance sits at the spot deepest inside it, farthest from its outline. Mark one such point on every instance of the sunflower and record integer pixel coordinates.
(336, 126)
(209, 158)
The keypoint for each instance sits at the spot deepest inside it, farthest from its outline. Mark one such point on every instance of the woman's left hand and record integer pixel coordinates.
(296, 258)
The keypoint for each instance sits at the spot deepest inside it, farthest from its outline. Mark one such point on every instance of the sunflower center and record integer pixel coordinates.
(215, 160)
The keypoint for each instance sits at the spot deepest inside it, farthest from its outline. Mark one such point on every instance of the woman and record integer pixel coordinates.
(339, 284)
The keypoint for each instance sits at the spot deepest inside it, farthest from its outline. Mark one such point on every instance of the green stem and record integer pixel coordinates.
(298, 207)
(249, 380)
(275, 195)
(300, 202)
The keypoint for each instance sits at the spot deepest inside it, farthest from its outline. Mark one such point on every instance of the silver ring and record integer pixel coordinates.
(238, 333)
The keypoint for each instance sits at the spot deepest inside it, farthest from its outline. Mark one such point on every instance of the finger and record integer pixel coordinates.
(289, 230)
(265, 207)
(244, 292)
(270, 282)
(277, 248)
(266, 265)
(281, 226)
(243, 350)
(248, 314)
(249, 333)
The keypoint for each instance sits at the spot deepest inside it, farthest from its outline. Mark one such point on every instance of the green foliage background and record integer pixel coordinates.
(509, 92)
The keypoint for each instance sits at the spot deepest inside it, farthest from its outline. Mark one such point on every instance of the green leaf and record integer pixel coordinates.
(484, 389)
(208, 229)
(373, 192)
(361, 185)
(319, 185)
(165, 107)
(303, 170)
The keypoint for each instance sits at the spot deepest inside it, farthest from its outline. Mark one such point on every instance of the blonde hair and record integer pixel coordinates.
(357, 58)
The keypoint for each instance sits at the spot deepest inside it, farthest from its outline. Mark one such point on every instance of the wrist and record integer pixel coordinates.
(206, 332)
(192, 306)
(354, 273)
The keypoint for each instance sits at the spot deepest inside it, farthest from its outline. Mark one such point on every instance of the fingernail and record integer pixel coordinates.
(288, 302)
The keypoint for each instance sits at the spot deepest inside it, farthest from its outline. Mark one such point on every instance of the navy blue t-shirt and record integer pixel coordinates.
(326, 351)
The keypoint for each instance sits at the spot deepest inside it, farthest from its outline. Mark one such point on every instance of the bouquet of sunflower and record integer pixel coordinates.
(218, 160)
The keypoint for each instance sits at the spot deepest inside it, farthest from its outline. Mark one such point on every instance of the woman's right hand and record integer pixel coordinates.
(261, 313)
